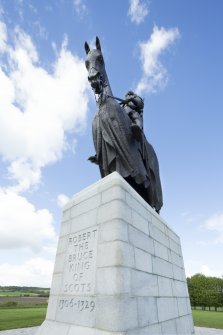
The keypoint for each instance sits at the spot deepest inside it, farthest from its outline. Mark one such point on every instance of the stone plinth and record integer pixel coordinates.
(119, 268)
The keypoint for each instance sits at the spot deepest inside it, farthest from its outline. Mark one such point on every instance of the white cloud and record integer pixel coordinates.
(22, 225)
(33, 8)
(207, 271)
(19, 4)
(210, 268)
(154, 75)
(26, 173)
(41, 30)
(62, 200)
(215, 224)
(3, 36)
(80, 7)
(37, 108)
(2, 12)
(34, 272)
(138, 10)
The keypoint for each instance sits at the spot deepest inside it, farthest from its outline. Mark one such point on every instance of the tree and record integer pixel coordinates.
(205, 291)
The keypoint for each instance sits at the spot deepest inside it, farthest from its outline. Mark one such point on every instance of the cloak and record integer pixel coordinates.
(117, 150)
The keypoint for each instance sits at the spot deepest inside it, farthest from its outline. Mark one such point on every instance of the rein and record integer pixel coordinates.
(115, 98)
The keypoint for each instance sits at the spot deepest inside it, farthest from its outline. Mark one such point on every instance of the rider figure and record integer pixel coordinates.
(133, 106)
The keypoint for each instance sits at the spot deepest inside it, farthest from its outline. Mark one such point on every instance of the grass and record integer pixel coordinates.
(21, 317)
(16, 294)
(12, 304)
(209, 319)
(12, 318)
(23, 292)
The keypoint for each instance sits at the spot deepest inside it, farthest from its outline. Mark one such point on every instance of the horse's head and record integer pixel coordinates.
(95, 66)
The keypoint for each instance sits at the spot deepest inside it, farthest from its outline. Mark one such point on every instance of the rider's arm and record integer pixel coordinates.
(138, 102)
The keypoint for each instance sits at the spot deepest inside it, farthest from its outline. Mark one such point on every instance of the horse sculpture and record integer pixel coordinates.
(116, 147)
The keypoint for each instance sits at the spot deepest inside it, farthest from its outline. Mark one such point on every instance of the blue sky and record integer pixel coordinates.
(171, 53)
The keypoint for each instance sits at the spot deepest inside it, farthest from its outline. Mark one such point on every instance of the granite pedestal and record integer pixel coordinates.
(119, 268)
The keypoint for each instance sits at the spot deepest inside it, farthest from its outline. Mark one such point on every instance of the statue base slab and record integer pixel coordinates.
(119, 268)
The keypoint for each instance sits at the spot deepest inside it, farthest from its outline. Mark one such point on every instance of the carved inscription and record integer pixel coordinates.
(78, 305)
(79, 273)
(79, 310)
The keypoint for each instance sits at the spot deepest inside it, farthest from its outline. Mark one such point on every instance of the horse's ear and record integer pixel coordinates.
(87, 48)
(98, 45)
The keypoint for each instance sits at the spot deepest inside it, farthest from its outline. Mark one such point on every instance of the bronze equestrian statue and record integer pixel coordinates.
(118, 136)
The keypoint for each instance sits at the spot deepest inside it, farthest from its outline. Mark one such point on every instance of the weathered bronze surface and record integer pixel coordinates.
(118, 136)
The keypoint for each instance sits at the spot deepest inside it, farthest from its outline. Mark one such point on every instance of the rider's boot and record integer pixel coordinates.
(137, 132)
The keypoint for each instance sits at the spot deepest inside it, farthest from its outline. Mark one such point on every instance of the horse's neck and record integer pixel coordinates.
(107, 88)
(106, 92)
